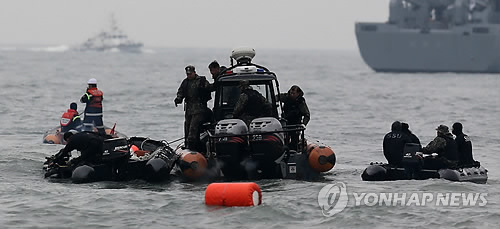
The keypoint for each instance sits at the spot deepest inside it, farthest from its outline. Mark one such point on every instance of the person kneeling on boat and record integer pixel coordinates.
(394, 144)
(70, 120)
(445, 147)
(89, 144)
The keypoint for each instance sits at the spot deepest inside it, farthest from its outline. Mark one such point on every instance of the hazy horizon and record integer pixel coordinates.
(279, 24)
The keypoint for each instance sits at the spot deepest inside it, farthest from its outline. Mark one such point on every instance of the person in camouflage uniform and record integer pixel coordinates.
(444, 145)
(251, 104)
(194, 90)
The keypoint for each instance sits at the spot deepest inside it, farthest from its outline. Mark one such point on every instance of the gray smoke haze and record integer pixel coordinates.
(296, 24)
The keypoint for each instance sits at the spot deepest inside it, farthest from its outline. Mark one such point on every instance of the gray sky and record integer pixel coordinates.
(301, 24)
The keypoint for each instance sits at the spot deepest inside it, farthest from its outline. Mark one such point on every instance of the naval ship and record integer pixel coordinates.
(113, 39)
(434, 36)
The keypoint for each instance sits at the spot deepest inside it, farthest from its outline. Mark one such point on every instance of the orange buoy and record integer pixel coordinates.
(135, 150)
(321, 158)
(52, 139)
(192, 164)
(233, 194)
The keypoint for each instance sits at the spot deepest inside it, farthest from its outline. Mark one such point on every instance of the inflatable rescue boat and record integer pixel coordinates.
(123, 159)
(418, 166)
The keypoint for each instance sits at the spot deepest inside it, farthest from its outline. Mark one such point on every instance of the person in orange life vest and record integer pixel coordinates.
(93, 110)
(70, 120)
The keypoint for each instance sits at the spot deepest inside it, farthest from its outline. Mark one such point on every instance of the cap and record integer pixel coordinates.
(92, 81)
(443, 129)
(190, 69)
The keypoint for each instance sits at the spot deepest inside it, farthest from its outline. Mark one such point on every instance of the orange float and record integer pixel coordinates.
(321, 158)
(233, 194)
(52, 139)
(192, 164)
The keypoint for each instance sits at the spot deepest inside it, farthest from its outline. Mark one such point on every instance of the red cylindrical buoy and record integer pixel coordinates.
(233, 194)
(321, 158)
(192, 164)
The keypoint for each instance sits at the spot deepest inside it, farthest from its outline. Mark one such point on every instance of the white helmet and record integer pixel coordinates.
(92, 81)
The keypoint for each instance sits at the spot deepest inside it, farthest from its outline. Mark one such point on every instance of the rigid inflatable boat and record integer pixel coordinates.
(122, 159)
(263, 149)
(418, 166)
(55, 136)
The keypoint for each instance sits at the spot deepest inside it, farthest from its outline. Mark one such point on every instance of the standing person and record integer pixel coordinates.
(464, 145)
(216, 70)
(194, 90)
(295, 109)
(251, 104)
(70, 120)
(394, 144)
(93, 110)
(444, 145)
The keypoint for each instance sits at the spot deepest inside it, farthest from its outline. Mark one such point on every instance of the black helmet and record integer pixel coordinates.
(68, 134)
(73, 106)
(396, 126)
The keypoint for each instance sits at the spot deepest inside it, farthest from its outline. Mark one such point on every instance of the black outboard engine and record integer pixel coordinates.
(231, 150)
(266, 147)
(412, 160)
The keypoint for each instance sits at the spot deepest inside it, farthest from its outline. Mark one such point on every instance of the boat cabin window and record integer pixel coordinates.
(229, 94)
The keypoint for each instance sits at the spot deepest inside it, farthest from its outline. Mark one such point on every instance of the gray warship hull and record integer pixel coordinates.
(469, 48)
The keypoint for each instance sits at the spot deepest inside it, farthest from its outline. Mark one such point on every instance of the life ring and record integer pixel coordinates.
(233, 194)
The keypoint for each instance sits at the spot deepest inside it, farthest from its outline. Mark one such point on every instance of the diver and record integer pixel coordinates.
(464, 146)
(194, 90)
(445, 147)
(251, 104)
(70, 120)
(93, 110)
(406, 129)
(89, 144)
(295, 111)
(394, 143)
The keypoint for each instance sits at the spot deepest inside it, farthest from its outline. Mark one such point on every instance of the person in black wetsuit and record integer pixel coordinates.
(394, 143)
(406, 129)
(464, 145)
(295, 111)
(89, 144)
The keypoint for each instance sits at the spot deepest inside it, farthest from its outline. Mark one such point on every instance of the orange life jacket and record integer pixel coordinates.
(68, 116)
(96, 100)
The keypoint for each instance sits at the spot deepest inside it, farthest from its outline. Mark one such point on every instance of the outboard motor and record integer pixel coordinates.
(231, 150)
(412, 161)
(266, 148)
